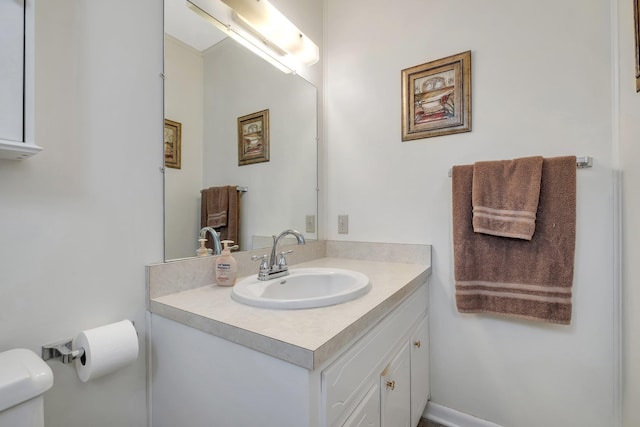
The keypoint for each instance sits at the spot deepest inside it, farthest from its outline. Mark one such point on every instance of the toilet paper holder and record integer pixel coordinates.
(61, 350)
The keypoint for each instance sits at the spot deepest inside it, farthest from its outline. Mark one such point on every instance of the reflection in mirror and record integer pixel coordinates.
(209, 85)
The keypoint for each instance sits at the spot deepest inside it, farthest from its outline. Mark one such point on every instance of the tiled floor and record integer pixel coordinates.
(426, 423)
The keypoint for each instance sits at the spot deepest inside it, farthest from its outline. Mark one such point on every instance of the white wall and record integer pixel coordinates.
(79, 221)
(629, 125)
(183, 103)
(541, 86)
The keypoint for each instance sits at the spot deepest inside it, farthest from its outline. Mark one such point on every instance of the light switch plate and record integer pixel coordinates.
(310, 224)
(343, 224)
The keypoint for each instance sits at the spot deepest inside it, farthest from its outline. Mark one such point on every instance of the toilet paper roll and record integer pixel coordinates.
(106, 349)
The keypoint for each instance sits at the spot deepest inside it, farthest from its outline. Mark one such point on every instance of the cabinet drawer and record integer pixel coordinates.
(345, 380)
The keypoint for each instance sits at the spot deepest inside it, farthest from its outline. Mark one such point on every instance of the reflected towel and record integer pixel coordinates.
(215, 202)
(220, 209)
(217, 219)
(514, 277)
(232, 230)
(505, 197)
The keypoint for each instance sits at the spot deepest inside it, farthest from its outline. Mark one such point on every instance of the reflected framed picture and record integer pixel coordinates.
(636, 18)
(253, 138)
(172, 143)
(436, 98)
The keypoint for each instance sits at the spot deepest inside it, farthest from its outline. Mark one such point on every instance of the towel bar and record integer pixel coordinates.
(581, 163)
(242, 189)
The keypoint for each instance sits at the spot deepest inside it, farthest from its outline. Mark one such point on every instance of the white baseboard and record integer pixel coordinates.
(452, 418)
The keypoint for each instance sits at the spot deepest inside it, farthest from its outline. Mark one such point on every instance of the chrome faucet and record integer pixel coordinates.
(277, 263)
(217, 248)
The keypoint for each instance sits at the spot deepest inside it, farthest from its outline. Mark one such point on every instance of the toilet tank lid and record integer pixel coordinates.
(23, 376)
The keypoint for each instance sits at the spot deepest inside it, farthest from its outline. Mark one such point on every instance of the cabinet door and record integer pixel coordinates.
(367, 413)
(419, 370)
(395, 391)
(12, 70)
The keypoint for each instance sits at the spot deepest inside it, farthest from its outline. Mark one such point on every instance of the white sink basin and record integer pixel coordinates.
(302, 288)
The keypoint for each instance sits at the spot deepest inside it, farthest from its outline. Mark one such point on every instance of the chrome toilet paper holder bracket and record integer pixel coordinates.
(61, 350)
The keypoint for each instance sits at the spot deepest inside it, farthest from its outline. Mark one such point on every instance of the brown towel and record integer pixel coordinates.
(505, 197)
(220, 209)
(513, 277)
(216, 220)
(215, 202)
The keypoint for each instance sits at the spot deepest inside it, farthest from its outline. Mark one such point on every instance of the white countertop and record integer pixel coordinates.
(309, 337)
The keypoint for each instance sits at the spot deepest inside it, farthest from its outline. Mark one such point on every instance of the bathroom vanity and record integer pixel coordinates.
(363, 362)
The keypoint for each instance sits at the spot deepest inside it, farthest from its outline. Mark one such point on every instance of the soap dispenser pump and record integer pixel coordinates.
(226, 266)
(202, 250)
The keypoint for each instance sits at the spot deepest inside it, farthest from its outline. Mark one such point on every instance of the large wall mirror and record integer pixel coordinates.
(210, 82)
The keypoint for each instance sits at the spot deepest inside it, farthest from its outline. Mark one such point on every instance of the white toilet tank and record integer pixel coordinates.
(24, 377)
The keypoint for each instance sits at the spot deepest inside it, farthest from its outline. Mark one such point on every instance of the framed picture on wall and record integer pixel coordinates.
(636, 18)
(172, 143)
(253, 138)
(436, 98)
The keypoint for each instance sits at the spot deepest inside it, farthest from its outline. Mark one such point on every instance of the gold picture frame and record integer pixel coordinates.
(636, 19)
(436, 98)
(253, 138)
(172, 144)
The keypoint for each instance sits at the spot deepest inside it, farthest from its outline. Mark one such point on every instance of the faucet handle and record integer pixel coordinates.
(264, 263)
(282, 261)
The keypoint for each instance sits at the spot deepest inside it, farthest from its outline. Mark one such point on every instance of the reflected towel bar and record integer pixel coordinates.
(581, 163)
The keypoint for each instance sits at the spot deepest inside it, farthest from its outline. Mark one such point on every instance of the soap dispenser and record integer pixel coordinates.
(202, 250)
(226, 266)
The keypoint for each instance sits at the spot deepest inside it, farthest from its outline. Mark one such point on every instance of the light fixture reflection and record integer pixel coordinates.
(274, 27)
(261, 28)
(239, 38)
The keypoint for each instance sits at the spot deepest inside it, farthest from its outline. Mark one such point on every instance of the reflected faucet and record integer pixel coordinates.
(217, 248)
(277, 266)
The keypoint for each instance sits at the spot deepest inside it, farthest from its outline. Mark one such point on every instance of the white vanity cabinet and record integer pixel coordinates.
(384, 377)
(380, 378)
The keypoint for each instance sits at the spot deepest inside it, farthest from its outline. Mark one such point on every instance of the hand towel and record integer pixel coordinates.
(215, 201)
(220, 209)
(218, 219)
(232, 230)
(513, 277)
(505, 197)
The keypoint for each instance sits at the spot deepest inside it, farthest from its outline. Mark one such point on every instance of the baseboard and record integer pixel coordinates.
(452, 418)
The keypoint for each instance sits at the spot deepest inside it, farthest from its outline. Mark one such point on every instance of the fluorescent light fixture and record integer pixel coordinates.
(274, 27)
(251, 42)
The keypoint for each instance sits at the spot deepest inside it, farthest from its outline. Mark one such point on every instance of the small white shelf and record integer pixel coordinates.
(17, 150)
